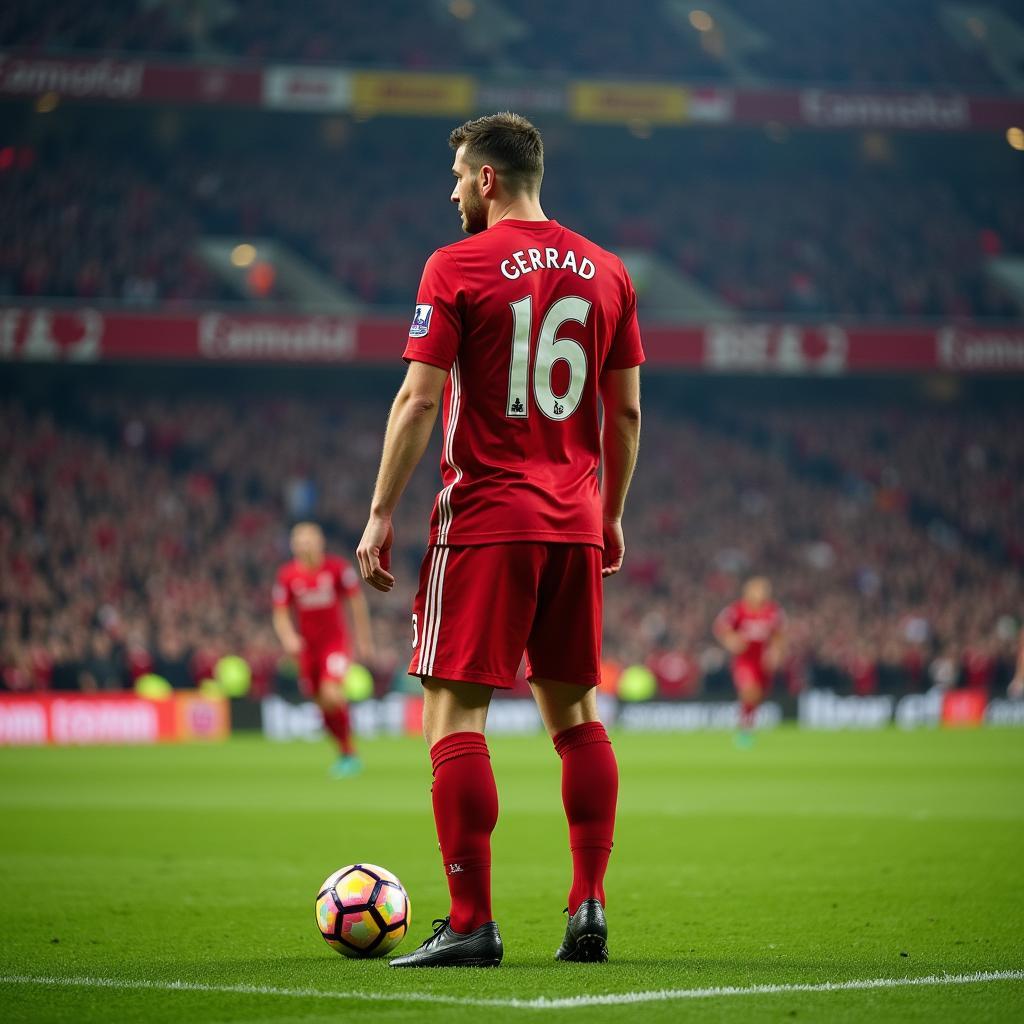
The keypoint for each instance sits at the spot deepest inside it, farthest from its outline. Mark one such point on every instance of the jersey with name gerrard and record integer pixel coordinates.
(526, 317)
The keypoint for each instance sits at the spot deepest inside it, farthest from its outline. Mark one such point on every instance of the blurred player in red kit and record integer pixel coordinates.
(1016, 688)
(316, 585)
(751, 630)
(523, 331)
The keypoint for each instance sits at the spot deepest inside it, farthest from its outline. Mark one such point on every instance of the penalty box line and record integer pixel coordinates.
(539, 1003)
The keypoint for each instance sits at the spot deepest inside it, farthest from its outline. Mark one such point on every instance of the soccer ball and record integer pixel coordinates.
(362, 911)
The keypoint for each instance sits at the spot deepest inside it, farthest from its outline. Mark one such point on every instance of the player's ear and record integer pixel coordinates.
(487, 179)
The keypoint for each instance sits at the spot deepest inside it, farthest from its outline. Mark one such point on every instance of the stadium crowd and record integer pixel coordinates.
(142, 534)
(861, 44)
(126, 226)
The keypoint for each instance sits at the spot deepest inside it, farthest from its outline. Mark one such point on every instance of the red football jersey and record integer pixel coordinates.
(316, 596)
(525, 316)
(756, 626)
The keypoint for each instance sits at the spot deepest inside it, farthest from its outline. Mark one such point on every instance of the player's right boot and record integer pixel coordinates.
(448, 948)
(586, 935)
(346, 766)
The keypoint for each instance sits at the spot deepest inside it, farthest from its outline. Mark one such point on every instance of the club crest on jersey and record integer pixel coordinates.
(421, 321)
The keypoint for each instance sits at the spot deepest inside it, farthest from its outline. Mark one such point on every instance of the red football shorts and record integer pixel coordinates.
(748, 674)
(323, 663)
(479, 608)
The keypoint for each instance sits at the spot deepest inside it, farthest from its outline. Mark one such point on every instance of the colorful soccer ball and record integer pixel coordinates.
(362, 911)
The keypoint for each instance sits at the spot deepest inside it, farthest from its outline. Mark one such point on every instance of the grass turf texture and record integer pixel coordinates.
(811, 858)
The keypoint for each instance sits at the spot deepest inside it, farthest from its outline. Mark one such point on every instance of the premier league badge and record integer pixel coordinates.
(421, 321)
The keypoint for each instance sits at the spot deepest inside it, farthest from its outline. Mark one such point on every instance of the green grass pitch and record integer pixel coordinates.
(812, 858)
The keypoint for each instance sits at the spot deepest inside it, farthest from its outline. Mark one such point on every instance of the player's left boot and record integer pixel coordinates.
(586, 935)
(448, 948)
(744, 739)
(346, 766)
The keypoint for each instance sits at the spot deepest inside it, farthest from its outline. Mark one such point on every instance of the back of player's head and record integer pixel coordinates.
(509, 143)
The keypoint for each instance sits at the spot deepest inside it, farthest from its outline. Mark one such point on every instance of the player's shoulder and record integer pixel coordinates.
(287, 569)
(595, 251)
(492, 240)
(461, 247)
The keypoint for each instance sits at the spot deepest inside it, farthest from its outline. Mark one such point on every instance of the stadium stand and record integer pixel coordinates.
(144, 532)
(858, 44)
(85, 222)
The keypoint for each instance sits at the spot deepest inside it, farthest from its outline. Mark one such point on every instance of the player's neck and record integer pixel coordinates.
(311, 563)
(520, 208)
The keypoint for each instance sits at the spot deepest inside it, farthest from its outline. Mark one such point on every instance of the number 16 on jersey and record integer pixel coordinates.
(550, 350)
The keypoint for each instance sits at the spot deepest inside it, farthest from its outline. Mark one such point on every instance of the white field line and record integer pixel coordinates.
(540, 1003)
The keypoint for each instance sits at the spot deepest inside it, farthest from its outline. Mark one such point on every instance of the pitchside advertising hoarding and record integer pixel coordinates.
(325, 89)
(42, 719)
(402, 714)
(40, 333)
(122, 719)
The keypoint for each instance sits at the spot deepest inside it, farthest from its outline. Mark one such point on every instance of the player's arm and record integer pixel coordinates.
(408, 433)
(285, 630)
(620, 440)
(776, 650)
(282, 618)
(361, 628)
(731, 639)
(1016, 687)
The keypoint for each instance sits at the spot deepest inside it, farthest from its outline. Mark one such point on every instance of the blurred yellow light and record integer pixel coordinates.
(875, 148)
(462, 9)
(702, 21)
(47, 102)
(243, 255)
(1015, 137)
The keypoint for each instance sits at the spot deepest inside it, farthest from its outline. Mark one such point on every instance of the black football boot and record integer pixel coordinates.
(447, 948)
(586, 935)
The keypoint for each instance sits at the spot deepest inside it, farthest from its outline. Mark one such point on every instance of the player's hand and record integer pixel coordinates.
(374, 553)
(736, 643)
(614, 548)
(293, 645)
(1015, 691)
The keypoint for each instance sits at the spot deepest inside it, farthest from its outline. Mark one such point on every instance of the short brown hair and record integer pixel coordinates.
(509, 143)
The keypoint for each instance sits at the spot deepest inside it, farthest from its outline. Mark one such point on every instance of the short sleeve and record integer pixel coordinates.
(728, 617)
(626, 348)
(436, 328)
(348, 579)
(281, 594)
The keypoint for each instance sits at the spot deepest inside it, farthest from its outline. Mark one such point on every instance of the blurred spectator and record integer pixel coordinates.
(82, 223)
(867, 43)
(139, 534)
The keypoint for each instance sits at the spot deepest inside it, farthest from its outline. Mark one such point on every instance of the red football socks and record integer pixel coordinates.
(590, 786)
(465, 812)
(339, 725)
(748, 713)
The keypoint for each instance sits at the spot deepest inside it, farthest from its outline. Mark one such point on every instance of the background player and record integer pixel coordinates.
(1016, 688)
(529, 329)
(316, 585)
(751, 630)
